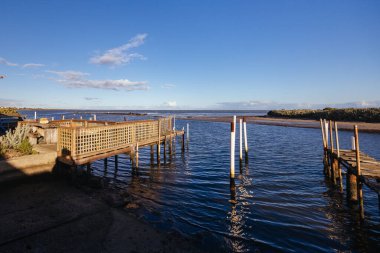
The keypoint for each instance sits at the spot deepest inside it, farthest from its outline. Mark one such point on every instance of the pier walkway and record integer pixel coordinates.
(82, 142)
(360, 168)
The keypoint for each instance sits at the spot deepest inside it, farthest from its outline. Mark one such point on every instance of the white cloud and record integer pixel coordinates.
(7, 63)
(91, 99)
(76, 79)
(121, 55)
(33, 65)
(168, 86)
(171, 103)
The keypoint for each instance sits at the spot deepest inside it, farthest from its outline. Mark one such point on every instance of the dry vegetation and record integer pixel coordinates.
(348, 114)
(15, 143)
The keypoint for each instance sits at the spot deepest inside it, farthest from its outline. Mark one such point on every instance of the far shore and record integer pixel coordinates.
(302, 123)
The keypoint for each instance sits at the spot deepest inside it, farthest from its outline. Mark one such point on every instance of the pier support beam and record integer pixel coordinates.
(137, 156)
(352, 191)
(165, 140)
(358, 173)
(116, 164)
(105, 166)
(88, 169)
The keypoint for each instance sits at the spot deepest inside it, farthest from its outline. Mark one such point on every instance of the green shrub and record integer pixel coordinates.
(25, 147)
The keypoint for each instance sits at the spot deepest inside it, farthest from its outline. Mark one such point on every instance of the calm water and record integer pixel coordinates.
(280, 200)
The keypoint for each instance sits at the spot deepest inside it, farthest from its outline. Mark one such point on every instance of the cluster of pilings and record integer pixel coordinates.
(332, 163)
(242, 126)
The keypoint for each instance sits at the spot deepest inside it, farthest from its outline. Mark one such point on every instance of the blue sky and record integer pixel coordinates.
(190, 54)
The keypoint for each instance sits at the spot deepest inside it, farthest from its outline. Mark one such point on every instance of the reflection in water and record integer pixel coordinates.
(239, 209)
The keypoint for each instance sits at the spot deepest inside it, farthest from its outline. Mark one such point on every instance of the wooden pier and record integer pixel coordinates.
(360, 168)
(82, 142)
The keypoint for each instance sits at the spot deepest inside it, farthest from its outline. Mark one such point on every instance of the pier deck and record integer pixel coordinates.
(82, 142)
(361, 169)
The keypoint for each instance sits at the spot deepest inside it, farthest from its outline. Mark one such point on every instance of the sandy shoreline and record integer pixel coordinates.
(51, 215)
(346, 126)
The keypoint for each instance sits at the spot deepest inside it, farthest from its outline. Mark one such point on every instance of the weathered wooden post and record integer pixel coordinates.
(165, 149)
(88, 170)
(170, 144)
(35, 115)
(358, 173)
(245, 139)
(183, 142)
(325, 158)
(137, 155)
(94, 117)
(174, 123)
(159, 143)
(151, 154)
(241, 141)
(332, 158)
(63, 117)
(232, 168)
(338, 157)
(116, 163)
(105, 166)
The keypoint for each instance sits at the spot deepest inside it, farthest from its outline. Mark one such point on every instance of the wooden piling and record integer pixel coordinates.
(116, 163)
(338, 157)
(88, 170)
(358, 173)
(165, 149)
(105, 166)
(241, 141)
(187, 132)
(325, 158)
(232, 168)
(170, 145)
(332, 158)
(323, 136)
(158, 142)
(183, 143)
(35, 115)
(94, 117)
(245, 139)
(353, 143)
(137, 155)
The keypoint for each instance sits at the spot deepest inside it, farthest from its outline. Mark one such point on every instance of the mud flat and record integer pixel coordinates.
(304, 123)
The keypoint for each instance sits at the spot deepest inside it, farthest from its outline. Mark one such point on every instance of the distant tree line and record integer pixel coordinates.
(347, 114)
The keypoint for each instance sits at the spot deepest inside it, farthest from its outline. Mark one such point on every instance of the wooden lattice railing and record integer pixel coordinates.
(78, 141)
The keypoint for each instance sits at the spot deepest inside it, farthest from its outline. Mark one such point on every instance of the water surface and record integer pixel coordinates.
(279, 201)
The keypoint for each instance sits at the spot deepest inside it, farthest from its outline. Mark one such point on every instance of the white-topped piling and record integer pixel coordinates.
(241, 140)
(232, 168)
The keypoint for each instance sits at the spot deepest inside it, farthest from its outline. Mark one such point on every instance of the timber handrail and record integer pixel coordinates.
(76, 141)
